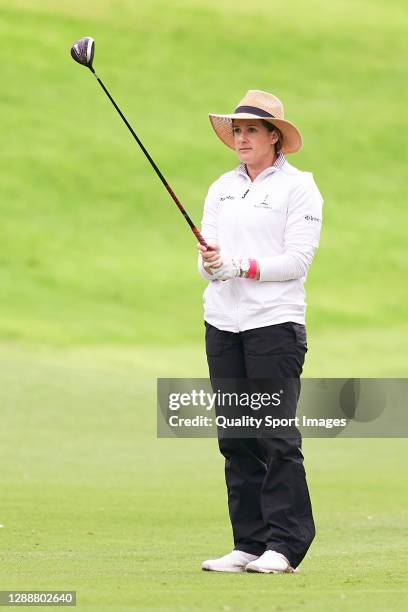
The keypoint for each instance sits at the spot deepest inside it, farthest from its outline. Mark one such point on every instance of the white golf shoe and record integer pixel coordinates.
(270, 562)
(235, 562)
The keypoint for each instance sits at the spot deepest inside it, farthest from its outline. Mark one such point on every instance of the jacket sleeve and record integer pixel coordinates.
(209, 224)
(302, 234)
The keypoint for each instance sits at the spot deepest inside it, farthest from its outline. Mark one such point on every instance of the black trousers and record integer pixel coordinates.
(268, 497)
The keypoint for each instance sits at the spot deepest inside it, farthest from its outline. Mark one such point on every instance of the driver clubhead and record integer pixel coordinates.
(82, 51)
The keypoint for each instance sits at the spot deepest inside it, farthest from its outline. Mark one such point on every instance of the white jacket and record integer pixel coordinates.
(275, 219)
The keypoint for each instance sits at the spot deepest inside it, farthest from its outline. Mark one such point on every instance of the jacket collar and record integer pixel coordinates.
(280, 162)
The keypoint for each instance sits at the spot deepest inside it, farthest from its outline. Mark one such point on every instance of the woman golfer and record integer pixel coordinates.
(263, 219)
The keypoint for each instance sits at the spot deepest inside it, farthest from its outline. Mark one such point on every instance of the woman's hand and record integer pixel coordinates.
(211, 259)
(226, 268)
(229, 268)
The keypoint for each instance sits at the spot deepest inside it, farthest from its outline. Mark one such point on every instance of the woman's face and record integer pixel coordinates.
(253, 142)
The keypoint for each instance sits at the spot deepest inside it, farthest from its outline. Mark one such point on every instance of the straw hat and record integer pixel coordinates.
(259, 105)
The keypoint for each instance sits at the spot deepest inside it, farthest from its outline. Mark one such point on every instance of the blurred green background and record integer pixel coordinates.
(90, 499)
(82, 210)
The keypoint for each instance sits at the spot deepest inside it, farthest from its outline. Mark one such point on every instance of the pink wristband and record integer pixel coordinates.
(253, 268)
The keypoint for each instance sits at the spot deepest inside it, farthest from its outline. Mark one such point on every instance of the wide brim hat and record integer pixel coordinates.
(259, 105)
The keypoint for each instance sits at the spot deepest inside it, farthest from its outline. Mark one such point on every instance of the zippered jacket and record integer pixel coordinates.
(276, 219)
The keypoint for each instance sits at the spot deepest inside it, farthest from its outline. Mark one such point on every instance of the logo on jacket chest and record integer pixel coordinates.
(266, 203)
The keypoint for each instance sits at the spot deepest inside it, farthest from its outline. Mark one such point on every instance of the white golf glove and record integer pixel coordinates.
(230, 268)
(209, 265)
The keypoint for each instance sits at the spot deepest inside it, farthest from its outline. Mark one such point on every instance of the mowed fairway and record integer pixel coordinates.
(91, 500)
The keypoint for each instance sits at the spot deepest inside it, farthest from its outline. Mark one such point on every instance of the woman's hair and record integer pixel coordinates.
(270, 127)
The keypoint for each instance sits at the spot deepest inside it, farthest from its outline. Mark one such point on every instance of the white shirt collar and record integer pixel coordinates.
(279, 162)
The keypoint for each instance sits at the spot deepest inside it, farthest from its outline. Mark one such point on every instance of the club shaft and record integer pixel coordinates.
(181, 208)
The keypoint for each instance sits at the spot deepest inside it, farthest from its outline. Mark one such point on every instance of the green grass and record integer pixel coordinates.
(91, 500)
(82, 210)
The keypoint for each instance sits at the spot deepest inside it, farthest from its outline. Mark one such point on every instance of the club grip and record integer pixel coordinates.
(200, 239)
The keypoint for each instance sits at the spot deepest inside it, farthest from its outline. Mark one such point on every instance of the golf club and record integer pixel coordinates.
(82, 51)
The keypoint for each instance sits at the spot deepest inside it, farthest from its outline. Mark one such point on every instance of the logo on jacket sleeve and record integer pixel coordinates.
(310, 218)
